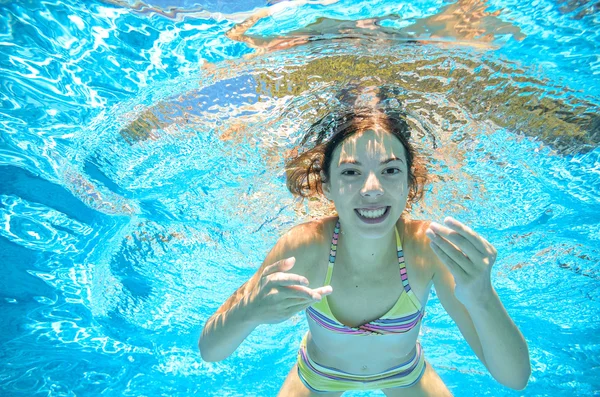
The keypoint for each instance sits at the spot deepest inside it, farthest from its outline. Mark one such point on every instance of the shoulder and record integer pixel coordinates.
(415, 240)
(305, 241)
(414, 231)
(312, 231)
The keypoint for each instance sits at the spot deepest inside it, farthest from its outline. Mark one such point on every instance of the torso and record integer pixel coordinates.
(358, 299)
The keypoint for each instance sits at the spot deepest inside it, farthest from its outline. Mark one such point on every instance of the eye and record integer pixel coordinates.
(345, 172)
(395, 171)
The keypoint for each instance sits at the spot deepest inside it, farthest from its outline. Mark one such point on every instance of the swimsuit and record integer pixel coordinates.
(401, 318)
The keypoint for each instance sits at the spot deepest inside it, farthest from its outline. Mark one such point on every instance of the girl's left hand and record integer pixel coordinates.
(468, 256)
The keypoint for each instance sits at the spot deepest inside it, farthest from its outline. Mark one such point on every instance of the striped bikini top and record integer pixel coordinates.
(401, 318)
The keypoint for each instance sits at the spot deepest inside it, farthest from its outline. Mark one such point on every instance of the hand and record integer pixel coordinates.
(279, 295)
(468, 256)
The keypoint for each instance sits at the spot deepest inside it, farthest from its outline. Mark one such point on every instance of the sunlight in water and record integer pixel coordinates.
(142, 177)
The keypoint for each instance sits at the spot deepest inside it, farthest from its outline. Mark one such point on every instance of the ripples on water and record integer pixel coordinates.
(140, 145)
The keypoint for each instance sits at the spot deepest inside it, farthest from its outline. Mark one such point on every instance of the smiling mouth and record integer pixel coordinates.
(373, 216)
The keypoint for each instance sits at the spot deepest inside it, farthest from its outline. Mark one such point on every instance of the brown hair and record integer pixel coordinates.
(304, 171)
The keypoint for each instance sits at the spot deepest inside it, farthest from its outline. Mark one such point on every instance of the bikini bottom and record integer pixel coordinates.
(322, 379)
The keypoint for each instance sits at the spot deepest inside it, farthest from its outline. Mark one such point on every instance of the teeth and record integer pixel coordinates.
(372, 214)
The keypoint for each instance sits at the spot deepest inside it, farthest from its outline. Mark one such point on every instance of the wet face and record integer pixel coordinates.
(369, 182)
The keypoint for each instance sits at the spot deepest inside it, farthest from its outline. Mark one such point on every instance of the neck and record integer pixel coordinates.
(364, 255)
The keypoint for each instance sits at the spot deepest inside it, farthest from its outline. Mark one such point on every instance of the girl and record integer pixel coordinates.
(364, 275)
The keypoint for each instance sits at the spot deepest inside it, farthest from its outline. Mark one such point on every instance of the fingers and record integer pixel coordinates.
(456, 270)
(280, 266)
(484, 248)
(321, 292)
(296, 286)
(457, 245)
(298, 291)
(288, 279)
(324, 290)
(453, 243)
(469, 234)
(458, 264)
(452, 252)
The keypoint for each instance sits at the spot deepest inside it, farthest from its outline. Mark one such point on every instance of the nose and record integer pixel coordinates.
(372, 187)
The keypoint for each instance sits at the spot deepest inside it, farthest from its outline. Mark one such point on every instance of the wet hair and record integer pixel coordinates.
(306, 172)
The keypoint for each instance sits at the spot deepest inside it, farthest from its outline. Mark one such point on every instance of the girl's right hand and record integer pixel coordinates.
(278, 296)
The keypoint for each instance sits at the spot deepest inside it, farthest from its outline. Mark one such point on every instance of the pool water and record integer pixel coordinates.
(141, 179)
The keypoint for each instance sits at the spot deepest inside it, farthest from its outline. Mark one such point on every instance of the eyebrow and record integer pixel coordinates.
(354, 162)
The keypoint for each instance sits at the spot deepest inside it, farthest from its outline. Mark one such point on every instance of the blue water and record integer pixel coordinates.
(141, 181)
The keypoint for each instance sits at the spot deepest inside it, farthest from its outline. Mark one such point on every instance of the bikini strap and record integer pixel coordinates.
(332, 252)
(403, 273)
(334, 241)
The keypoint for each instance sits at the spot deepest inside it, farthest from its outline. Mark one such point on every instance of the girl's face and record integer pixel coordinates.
(369, 182)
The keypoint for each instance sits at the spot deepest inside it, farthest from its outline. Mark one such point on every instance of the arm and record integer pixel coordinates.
(227, 328)
(236, 318)
(479, 314)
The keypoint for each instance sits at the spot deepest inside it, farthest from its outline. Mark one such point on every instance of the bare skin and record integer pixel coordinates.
(356, 302)
(365, 280)
(369, 170)
(429, 385)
